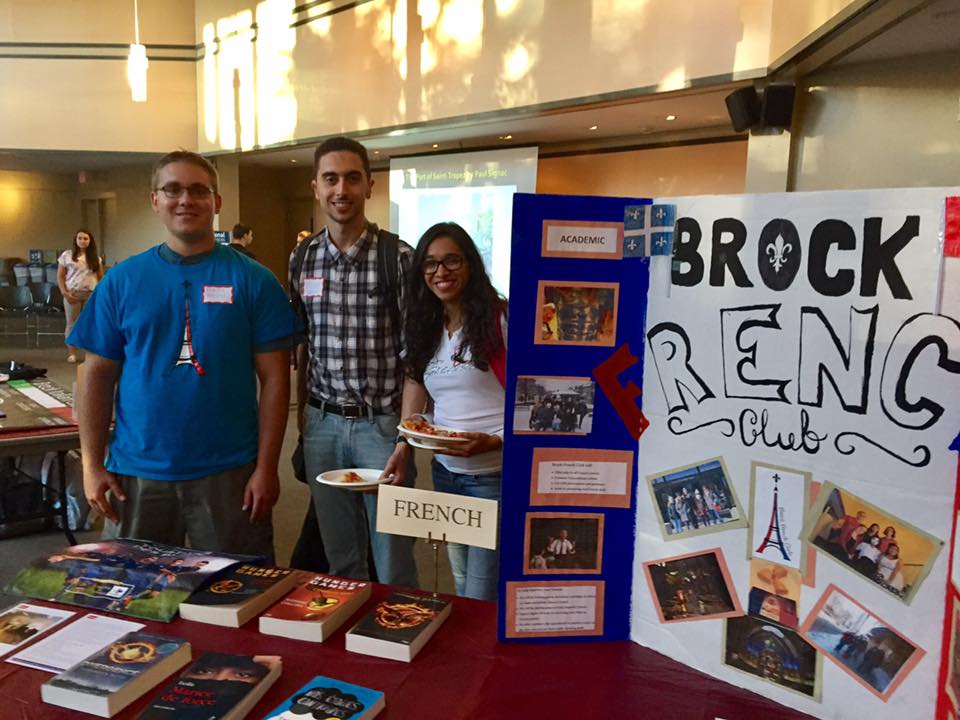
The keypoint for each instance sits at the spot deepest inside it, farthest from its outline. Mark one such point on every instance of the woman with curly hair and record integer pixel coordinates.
(78, 272)
(455, 330)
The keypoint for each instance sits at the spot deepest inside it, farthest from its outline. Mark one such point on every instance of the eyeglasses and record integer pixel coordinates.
(196, 191)
(450, 262)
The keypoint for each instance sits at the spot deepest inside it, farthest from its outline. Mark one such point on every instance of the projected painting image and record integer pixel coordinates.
(553, 405)
(583, 313)
(772, 652)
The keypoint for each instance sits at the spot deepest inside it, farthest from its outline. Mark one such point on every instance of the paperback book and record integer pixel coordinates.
(399, 626)
(129, 577)
(216, 687)
(315, 609)
(330, 699)
(238, 594)
(113, 677)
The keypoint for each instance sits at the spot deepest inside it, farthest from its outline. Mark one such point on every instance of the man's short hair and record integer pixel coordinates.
(239, 230)
(338, 144)
(186, 156)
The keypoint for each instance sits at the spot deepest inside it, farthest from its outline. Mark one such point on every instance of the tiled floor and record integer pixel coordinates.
(288, 514)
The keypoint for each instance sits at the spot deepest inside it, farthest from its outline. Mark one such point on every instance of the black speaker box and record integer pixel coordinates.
(743, 106)
(776, 106)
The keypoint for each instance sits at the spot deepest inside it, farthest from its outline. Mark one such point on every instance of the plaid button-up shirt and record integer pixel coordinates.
(354, 355)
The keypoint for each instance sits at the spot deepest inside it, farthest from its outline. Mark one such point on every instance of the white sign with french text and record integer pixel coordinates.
(441, 516)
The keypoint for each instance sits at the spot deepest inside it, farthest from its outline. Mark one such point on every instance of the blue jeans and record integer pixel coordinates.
(474, 568)
(348, 519)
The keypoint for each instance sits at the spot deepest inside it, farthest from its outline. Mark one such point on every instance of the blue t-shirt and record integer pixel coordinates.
(186, 403)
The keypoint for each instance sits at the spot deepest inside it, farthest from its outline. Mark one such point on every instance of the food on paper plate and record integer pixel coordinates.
(425, 428)
(350, 477)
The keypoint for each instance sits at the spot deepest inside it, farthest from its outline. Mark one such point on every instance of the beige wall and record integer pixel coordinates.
(796, 21)
(76, 104)
(882, 124)
(716, 168)
(474, 56)
(37, 211)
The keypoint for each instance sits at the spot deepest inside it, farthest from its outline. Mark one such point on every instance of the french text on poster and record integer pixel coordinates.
(554, 609)
(425, 513)
(569, 476)
(582, 239)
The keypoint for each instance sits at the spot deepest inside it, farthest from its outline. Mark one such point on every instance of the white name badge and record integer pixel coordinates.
(313, 287)
(425, 513)
(222, 294)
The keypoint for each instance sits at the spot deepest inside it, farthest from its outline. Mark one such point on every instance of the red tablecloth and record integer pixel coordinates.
(463, 672)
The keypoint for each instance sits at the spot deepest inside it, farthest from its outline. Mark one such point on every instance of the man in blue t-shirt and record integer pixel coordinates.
(182, 333)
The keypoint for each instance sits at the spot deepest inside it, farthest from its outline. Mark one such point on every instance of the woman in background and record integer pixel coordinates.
(79, 271)
(455, 330)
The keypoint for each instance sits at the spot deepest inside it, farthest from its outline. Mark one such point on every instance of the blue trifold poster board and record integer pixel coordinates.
(577, 303)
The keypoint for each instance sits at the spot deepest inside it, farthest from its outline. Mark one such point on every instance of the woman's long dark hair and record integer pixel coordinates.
(93, 259)
(481, 306)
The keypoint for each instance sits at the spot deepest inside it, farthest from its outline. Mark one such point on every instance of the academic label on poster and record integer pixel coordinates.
(585, 477)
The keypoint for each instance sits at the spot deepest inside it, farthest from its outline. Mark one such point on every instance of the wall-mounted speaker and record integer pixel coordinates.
(769, 109)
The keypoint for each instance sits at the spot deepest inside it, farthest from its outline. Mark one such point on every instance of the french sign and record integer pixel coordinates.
(425, 513)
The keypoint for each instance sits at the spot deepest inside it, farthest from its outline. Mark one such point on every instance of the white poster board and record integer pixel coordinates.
(800, 331)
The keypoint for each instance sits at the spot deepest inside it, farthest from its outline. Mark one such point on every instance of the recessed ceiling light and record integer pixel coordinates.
(671, 117)
(293, 160)
(376, 152)
(435, 145)
(506, 137)
(593, 127)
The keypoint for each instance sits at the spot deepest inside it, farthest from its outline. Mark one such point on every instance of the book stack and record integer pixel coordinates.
(239, 594)
(112, 678)
(399, 626)
(315, 609)
(216, 687)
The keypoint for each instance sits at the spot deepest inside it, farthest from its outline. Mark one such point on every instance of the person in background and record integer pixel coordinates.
(78, 272)
(455, 329)
(242, 239)
(178, 339)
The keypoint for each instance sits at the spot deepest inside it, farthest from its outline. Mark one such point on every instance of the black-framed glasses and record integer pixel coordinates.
(450, 262)
(195, 191)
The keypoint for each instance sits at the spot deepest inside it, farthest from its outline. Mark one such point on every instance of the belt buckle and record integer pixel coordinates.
(352, 412)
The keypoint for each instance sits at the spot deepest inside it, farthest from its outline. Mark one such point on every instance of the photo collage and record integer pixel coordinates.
(578, 476)
(785, 529)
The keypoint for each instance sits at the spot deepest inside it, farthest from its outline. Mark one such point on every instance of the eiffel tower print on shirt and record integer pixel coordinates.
(188, 355)
(778, 497)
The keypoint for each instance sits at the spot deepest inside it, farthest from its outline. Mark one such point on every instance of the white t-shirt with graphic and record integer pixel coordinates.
(79, 276)
(465, 398)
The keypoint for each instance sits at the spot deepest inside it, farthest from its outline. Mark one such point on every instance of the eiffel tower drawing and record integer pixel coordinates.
(187, 355)
(773, 537)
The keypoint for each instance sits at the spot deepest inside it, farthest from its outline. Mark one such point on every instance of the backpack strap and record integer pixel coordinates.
(498, 363)
(296, 270)
(388, 263)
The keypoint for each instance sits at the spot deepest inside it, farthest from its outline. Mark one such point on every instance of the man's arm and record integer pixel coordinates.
(413, 401)
(263, 487)
(95, 409)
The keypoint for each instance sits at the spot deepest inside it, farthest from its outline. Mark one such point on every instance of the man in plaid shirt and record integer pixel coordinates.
(350, 375)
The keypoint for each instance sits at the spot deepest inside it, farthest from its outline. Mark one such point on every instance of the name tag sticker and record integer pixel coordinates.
(313, 287)
(222, 294)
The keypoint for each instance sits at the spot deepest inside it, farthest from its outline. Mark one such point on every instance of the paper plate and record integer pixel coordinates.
(371, 478)
(414, 442)
(432, 439)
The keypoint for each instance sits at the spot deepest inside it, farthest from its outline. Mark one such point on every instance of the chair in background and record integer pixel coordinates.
(16, 303)
(50, 318)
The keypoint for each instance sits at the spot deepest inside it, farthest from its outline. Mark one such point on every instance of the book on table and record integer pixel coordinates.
(399, 626)
(216, 687)
(113, 677)
(325, 697)
(237, 595)
(315, 609)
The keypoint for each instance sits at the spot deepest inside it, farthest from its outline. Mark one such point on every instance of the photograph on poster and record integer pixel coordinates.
(696, 586)
(695, 500)
(765, 604)
(778, 498)
(871, 542)
(867, 648)
(777, 579)
(953, 656)
(576, 313)
(773, 653)
(553, 405)
(563, 543)
(581, 476)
